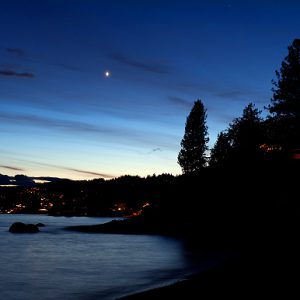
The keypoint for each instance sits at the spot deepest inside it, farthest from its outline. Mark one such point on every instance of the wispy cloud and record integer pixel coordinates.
(74, 126)
(158, 149)
(234, 93)
(15, 51)
(85, 172)
(11, 168)
(60, 167)
(223, 117)
(123, 134)
(179, 101)
(154, 67)
(13, 73)
(205, 88)
(28, 57)
(89, 172)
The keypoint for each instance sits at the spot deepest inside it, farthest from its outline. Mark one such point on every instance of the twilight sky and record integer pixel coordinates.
(60, 116)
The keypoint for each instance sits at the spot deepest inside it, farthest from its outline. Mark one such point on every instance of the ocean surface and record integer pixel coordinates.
(60, 264)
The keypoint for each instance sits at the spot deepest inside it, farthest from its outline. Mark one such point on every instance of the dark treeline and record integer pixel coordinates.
(246, 189)
(121, 196)
(250, 139)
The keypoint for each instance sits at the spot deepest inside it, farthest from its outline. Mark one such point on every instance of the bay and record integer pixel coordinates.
(59, 264)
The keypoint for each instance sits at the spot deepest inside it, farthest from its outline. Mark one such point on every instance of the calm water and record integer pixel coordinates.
(58, 264)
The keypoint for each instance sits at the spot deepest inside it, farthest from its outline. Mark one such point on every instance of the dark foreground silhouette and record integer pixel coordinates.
(238, 279)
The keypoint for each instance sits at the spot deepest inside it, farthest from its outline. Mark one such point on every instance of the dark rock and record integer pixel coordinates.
(40, 225)
(134, 225)
(19, 227)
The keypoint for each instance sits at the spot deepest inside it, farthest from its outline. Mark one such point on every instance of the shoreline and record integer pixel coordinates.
(203, 283)
(240, 278)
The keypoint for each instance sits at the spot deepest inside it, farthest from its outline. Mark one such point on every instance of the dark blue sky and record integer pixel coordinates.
(60, 116)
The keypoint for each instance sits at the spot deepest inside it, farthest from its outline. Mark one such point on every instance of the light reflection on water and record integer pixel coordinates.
(58, 264)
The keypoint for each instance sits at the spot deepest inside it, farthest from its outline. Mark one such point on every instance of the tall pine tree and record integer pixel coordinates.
(246, 134)
(240, 143)
(285, 104)
(221, 151)
(192, 156)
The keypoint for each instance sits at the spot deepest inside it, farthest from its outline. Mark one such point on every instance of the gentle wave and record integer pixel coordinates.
(58, 264)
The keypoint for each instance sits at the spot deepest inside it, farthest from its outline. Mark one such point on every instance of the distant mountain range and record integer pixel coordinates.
(23, 180)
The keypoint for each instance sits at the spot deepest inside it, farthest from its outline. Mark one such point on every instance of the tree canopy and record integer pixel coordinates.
(285, 104)
(220, 153)
(192, 156)
(242, 140)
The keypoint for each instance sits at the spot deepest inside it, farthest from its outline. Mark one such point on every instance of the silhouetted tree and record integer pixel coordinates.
(241, 141)
(192, 157)
(246, 135)
(246, 132)
(285, 104)
(220, 153)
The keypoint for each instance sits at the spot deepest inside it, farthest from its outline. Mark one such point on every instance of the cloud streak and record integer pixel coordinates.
(235, 93)
(179, 101)
(11, 168)
(81, 171)
(67, 125)
(124, 135)
(85, 172)
(152, 67)
(158, 149)
(12, 73)
(28, 57)
(15, 51)
(108, 176)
